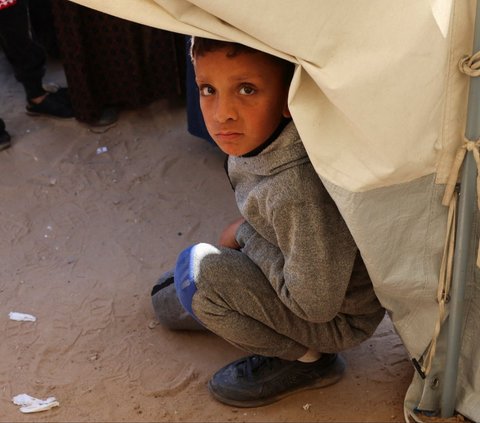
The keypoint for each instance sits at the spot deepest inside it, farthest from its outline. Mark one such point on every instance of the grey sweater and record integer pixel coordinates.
(296, 235)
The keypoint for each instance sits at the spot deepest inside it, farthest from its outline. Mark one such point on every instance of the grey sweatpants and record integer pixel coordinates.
(234, 299)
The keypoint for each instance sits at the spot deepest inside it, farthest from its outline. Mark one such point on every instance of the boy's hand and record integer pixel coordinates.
(227, 237)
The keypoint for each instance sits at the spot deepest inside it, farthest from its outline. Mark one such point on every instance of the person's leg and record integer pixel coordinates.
(24, 54)
(28, 60)
(230, 295)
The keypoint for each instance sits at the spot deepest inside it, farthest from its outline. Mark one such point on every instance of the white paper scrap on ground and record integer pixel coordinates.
(101, 150)
(21, 317)
(34, 405)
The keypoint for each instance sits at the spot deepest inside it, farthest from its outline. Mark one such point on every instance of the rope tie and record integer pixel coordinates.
(470, 65)
(446, 268)
(444, 283)
(474, 147)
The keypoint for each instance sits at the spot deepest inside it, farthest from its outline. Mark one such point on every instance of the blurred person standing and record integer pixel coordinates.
(28, 59)
(113, 64)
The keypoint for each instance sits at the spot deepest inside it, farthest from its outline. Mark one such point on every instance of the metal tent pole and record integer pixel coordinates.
(464, 230)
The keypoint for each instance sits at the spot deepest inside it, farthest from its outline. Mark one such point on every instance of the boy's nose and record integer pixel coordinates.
(224, 109)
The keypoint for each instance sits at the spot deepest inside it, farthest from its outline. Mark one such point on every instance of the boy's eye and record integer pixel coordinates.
(206, 90)
(247, 90)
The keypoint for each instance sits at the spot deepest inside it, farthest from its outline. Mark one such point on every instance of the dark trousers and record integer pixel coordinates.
(24, 54)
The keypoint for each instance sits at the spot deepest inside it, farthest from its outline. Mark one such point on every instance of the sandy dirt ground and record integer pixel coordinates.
(83, 237)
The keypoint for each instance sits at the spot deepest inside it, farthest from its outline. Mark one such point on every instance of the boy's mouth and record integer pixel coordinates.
(227, 135)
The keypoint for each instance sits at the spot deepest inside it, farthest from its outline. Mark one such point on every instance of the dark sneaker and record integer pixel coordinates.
(166, 305)
(61, 93)
(55, 104)
(64, 96)
(4, 137)
(257, 380)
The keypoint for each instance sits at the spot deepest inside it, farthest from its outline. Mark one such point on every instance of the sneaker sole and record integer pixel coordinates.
(332, 376)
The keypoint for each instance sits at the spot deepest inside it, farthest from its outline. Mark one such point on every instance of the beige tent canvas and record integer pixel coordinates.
(381, 107)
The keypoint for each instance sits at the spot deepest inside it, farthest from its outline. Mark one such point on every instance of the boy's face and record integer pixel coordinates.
(243, 98)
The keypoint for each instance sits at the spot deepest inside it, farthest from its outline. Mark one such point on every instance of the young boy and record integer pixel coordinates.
(287, 282)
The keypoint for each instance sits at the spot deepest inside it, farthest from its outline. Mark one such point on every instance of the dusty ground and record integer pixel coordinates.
(83, 236)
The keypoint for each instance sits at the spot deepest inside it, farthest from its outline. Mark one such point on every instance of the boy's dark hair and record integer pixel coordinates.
(199, 46)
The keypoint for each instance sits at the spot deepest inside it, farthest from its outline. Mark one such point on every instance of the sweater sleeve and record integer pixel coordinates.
(311, 265)
(319, 253)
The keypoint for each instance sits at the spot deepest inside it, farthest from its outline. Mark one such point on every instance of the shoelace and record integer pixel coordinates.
(254, 363)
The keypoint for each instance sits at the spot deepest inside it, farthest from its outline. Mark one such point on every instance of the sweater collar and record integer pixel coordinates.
(284, 122)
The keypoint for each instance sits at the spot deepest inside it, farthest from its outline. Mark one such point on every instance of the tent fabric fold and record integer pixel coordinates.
(380, 103)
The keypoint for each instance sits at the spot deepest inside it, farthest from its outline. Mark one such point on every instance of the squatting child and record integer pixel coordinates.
(286, 282)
